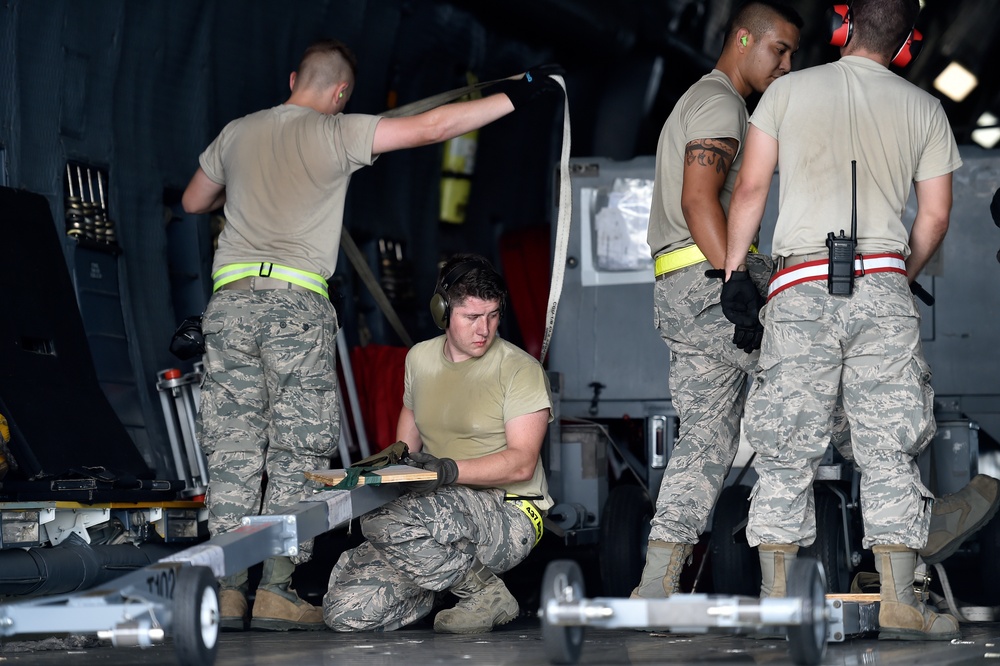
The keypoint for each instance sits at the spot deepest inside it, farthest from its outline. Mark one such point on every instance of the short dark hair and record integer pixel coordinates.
(758, 16)
(882, 26)
(479, 280)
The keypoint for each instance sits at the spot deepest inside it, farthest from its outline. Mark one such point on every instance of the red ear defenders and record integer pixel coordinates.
(842, 26)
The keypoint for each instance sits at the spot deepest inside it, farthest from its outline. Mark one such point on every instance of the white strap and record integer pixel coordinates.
(564, 216)
(564, 220)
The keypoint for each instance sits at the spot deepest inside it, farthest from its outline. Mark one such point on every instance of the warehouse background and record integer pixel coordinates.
(109, 102)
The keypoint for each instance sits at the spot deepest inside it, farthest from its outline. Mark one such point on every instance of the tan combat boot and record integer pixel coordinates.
(956, 517)
(900, 616)
(277, 607)
(233, 602)
(775, 561)
(484, 603)
(662, 574)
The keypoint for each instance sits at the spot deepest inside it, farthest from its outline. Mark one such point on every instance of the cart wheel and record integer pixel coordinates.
(735, 565)
(562, 583)
(624, 535)
(829, 548)
(807, 640)
(196, 616)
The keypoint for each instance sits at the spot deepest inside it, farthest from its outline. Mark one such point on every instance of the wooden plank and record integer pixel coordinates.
(859, 598)
(390, 474)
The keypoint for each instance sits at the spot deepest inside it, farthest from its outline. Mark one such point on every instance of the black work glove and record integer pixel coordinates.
(446, 469)
(741, 303)
(536, 83)
(188, 340)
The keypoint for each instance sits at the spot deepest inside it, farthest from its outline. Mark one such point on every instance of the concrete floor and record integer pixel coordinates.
(518, 643)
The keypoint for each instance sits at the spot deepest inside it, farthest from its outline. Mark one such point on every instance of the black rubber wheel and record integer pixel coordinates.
(735, 565)
(563, 582)
(829, 547)
(624, 535)
(196, 616)
(807, 640)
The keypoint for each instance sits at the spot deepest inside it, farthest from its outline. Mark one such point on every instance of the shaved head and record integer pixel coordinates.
(325, 64)
(759, 17)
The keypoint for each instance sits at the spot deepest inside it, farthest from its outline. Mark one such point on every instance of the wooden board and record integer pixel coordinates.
(858, 598)
(390, 474)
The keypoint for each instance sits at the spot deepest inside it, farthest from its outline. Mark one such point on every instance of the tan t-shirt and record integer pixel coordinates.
(286, 171)
(710, 109)
(461, 408)
(853, 109)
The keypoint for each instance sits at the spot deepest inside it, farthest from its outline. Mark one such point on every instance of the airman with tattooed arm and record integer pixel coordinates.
(697, 158)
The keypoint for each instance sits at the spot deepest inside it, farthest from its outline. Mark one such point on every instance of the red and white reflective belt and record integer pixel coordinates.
(819, 269)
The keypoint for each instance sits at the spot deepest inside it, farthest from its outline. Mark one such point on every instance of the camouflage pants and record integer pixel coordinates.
(418, 546)
(708, 383)
(868, 347)
(269, 402)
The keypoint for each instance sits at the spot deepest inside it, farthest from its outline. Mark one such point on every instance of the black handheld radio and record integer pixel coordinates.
(840, 277)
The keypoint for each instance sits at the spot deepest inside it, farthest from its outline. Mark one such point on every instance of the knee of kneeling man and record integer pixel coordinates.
(340, 616)
(377, 526)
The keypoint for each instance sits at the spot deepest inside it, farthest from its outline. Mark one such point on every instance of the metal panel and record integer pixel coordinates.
(604, 328)
(604, 332)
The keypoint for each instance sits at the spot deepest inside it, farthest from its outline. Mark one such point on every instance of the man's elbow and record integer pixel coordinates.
(189, 204)
(750, 190)
(525, 471)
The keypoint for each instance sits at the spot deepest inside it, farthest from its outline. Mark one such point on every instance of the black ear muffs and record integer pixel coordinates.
(841, 24)
(440, 307)
(909, 50)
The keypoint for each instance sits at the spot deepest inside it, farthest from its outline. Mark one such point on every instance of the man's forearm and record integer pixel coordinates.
(707, 224)
(925, 239)
(744, 223)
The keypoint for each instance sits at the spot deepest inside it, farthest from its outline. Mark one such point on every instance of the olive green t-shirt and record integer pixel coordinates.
(461, 409)
(286, 170)
(710, 109)
(853, 109)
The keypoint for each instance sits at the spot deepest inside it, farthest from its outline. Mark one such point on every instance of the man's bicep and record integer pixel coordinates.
(393, 134)
(706, 166)
(527, 432)
(760, 157)
(934, 196)
(714, 155)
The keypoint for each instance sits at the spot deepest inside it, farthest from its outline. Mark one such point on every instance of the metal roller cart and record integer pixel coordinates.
(808, 617)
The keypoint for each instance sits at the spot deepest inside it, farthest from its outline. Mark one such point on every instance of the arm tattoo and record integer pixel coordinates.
(717, 153)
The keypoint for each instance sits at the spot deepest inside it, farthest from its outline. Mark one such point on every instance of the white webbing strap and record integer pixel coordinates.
(564, 219)
(564, 216)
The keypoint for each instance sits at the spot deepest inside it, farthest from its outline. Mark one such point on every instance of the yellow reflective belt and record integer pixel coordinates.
(531, 511)
(682, 258)
(232, 272)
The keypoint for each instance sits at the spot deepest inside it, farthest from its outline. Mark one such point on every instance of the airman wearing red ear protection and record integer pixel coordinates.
(841, 24)
(849, 139)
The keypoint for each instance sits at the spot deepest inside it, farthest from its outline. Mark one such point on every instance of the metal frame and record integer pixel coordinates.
(808, 617)
(141, 607)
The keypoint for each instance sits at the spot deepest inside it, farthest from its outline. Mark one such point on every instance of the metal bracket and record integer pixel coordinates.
(289, 535)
